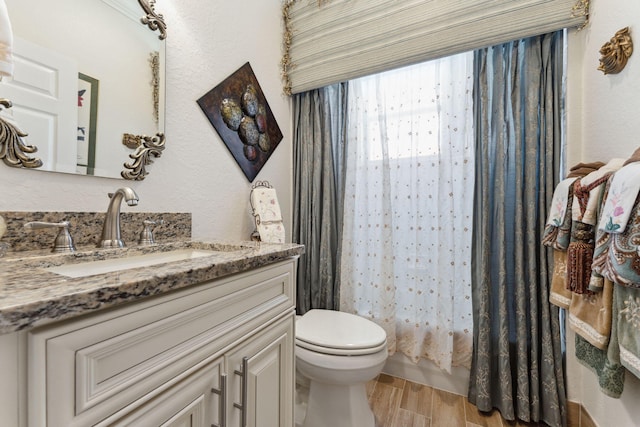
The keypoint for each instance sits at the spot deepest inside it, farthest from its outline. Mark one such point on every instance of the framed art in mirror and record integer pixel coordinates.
(87, 122)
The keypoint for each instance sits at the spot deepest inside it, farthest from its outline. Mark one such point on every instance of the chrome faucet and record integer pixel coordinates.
(111, 227)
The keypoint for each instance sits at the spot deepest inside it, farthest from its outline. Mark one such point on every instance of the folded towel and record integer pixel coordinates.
(586, 192)
(622, 194)
(604, 364)
(271, 232)
(590, 315)
(268, 216)
(583, 169)
(558, 237)
(615, 256)
(559, 202)
(635, 157)
(627, 306)
(587, 203)
(559, 294)
(265, 203)
(6, 42)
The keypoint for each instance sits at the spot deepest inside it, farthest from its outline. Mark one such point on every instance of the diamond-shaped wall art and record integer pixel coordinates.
(240, 114)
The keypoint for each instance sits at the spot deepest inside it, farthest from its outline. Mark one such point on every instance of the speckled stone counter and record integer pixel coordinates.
(86, 227)
(30, 295)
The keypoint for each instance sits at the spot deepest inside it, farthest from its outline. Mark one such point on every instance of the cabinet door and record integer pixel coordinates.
(261, 375)
(194, 400)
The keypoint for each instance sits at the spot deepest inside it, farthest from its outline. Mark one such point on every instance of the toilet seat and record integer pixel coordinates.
(339, 333)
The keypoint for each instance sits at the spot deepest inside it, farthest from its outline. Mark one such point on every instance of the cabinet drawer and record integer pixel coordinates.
(92, 367)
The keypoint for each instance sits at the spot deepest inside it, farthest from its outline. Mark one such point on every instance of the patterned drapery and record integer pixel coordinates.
(517, 359)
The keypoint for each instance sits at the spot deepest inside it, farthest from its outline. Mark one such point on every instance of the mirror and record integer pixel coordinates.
(88, 79)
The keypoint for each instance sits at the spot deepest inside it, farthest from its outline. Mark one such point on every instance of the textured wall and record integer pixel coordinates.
(603, 123)
(208, 40)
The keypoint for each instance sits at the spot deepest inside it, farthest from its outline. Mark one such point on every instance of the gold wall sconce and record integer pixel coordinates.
(616, 52)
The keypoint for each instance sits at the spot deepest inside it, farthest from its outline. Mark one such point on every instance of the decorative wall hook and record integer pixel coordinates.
(616, 52)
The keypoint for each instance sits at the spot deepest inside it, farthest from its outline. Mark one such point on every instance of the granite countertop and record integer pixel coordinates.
(31, 296)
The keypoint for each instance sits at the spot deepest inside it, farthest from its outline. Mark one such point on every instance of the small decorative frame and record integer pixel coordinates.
(616, 52)
(146, 147)
(240, 114)
(88, 89)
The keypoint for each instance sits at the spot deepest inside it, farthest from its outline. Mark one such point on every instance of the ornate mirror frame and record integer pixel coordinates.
(16, 153)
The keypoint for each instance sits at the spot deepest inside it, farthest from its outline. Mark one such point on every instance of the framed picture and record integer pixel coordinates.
(241, 116)
(87, 123)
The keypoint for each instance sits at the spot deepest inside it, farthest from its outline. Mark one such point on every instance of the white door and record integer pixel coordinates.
(44, 93)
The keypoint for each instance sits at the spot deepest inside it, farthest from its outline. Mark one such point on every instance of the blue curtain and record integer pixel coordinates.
(517, 357)
(318, 147)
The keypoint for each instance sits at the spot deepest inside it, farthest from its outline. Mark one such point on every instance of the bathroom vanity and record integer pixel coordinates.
(183, 334)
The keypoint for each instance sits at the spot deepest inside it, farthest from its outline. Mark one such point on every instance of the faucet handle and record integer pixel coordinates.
(63, 241)
(146, 235)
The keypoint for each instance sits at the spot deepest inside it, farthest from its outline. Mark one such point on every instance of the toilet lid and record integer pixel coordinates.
(336, 332)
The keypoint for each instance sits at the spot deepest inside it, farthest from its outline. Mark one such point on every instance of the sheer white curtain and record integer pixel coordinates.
(406, 244)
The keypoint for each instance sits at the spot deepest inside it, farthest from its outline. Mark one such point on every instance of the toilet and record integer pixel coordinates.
(337, 353)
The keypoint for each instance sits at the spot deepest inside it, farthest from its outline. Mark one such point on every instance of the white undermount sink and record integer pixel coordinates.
(91, 268)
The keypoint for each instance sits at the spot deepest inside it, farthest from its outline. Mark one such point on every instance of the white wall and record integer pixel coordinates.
(603, 123)
(208, 40)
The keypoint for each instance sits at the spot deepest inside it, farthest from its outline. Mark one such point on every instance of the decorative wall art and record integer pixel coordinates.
(616, 52)
(87, 123)
(240, 114)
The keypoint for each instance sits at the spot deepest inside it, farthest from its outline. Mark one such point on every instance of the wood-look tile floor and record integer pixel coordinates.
(401, 403)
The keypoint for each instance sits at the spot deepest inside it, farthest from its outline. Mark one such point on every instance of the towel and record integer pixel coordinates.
(268, 216)
(265, 203)
(627, 305)
(583, 169)
(559, 202)
(635, 157)
(6, 42)
(615, 256)
(559, 294)
(558, 236)
(590, 315)
(271, 232)
(587, 203)
(623, 191)
(586, 192)
(605, 365)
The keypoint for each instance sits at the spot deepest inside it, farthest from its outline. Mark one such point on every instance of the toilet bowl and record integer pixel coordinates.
(338, 353)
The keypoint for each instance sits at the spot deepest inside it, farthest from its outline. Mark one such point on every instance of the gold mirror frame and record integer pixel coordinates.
(14, 152)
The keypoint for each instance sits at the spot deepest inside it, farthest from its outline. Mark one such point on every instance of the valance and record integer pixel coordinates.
(329, 41)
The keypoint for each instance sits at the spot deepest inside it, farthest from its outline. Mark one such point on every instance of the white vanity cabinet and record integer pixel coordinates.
(220, 353)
